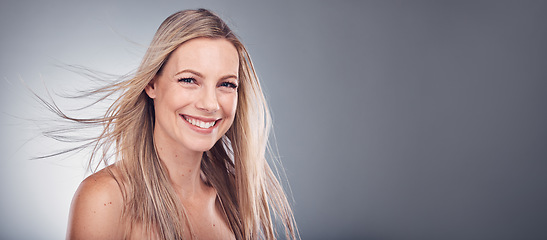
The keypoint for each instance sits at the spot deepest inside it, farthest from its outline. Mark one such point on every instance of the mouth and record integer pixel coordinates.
(201, 122)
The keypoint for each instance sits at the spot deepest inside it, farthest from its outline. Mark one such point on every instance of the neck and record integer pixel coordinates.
(183, 166)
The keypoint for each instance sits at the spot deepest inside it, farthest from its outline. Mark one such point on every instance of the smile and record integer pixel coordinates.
(199, 123)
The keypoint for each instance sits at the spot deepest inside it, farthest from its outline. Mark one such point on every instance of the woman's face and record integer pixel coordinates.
(195, 95)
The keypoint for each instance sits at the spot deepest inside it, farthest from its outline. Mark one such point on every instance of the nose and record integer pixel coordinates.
(207, 100)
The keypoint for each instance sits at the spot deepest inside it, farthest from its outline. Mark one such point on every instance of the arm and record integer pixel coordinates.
(96, 209)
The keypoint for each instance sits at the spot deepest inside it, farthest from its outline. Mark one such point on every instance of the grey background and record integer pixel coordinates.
(394, 119)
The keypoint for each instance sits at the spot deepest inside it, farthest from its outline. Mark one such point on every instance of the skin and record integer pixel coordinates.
(199, 80)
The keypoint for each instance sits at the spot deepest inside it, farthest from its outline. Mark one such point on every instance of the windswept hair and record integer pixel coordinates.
(249, 192)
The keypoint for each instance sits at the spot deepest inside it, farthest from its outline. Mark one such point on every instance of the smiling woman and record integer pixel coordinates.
(195, 95)
(189, 132)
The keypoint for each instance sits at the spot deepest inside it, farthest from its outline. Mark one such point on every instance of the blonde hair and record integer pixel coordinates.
(248, 190)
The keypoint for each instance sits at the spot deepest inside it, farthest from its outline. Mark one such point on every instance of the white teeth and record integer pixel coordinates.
(199, 123)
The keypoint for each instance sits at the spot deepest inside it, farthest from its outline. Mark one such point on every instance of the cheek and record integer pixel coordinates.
(229, 104)
(174, 98)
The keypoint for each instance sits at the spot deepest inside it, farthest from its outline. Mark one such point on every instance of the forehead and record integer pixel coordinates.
(210, 56)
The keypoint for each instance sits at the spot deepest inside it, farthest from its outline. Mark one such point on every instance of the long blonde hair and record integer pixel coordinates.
(248, 190)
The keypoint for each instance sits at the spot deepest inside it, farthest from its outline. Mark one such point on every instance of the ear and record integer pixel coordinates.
(150, 89)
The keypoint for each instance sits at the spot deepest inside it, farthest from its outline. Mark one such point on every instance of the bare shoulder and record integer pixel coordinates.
(96, 208)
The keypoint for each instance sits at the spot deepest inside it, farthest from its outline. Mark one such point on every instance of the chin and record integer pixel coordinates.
(200, 145)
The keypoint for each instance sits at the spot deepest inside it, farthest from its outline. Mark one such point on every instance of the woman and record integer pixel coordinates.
(189, 133)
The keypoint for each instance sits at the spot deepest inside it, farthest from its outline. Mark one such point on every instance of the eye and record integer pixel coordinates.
(187, 80)
(228, 84)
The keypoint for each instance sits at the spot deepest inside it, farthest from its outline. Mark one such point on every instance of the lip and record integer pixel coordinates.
(203, 119)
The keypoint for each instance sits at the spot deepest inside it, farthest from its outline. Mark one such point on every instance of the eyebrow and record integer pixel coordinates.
(201, 75)
(189, 71)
